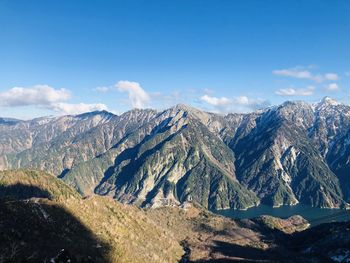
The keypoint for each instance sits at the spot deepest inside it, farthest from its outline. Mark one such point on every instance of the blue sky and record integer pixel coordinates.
(65, 56)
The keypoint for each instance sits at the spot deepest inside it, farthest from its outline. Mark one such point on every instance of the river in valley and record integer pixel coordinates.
(314, 215)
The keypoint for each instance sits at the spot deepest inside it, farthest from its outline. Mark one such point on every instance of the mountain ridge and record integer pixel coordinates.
(286, 154)
(324, 101)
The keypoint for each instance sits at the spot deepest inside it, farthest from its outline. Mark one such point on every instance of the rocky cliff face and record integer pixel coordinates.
(291, 153)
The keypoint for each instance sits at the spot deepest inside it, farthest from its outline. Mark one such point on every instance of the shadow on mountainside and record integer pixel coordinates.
(35, 229)
(21, 191)
(235, 253)
(244, 241)
(322, 243)
(221, 251)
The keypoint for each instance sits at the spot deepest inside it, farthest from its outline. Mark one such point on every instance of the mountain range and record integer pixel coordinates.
(296, 152)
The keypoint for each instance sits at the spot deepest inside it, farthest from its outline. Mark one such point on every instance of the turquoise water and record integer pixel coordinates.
(314, 215)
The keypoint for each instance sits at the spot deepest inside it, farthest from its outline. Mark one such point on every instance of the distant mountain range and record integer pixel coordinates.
(292, 153)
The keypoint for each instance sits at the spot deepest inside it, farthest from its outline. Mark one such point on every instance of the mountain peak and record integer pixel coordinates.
(93, 113)
(183, 107)
(328, 101)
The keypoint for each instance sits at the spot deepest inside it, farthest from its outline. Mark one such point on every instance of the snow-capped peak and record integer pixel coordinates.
(329, 101)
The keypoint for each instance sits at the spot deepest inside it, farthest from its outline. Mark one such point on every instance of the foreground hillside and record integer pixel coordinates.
(56, 218)
(292, 153)
(40, 216)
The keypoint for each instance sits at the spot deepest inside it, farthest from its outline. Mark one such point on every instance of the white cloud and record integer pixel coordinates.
(293, 72)
(71, 108)
(237, 104)
(215, 101)
(102, 89)
(332, 87)
(138, 97)
(39, 95)
(208, 91)
(44, 96)
(308, 91)
(331, 76)
(242, 100)
(302, 73)
(253, 104)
